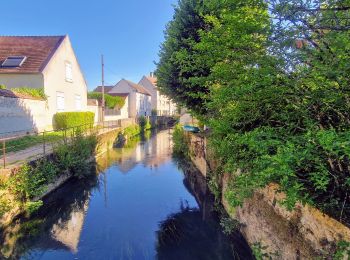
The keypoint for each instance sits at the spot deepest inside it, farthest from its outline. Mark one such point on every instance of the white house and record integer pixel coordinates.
(139, 99)
(47, 62)
(160, 103)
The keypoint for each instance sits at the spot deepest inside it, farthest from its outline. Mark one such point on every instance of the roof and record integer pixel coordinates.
(38, 50)
(107, 89)
(153, 80)
(138, 87)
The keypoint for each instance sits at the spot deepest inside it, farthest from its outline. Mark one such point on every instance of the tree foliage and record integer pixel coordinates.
(181, 70)
(276, 94)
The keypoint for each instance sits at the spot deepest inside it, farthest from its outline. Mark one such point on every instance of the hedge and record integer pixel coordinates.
(65, 120)
(32, 92)
(110, 101)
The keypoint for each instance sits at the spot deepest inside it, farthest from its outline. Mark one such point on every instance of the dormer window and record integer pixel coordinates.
(14, 61)
(69, 72)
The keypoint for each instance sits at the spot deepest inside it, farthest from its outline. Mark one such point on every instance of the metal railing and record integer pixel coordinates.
(25, 146)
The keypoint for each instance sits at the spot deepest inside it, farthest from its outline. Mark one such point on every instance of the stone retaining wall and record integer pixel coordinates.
(304, 233)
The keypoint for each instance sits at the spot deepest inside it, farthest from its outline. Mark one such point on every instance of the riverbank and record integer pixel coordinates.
(138, 203)
(304, 232)
(23, 187)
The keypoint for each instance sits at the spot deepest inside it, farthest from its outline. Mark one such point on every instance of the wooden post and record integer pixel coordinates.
(4, 152)
(44, 143)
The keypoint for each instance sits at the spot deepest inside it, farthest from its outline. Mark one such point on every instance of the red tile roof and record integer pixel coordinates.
(37, 49)
(153, 80)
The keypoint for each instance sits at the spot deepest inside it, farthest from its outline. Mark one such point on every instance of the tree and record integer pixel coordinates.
(180, 71)
(276, 95)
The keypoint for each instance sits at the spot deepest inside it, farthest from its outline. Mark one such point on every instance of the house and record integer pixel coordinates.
(47, 62)
(115, 114)
(160, 103)
(139, 99)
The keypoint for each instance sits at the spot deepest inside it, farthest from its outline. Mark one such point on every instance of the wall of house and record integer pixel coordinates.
(18, 116)
(152, 90)
(123, 87)
(97, 110)
(55, 80)
(22, 80)
(124, 113)
(143, 105)
(159, 102)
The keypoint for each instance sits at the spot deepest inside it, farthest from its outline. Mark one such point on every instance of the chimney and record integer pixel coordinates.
(151, 74)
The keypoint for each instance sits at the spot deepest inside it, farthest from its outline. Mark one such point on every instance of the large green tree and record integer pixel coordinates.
(181, 72)
(277, 96)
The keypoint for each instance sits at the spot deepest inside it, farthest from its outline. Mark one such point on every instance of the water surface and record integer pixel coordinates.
(140, 204)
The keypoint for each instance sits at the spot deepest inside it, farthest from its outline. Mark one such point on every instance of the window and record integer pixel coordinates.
(14, 61)
(69, 72)
(60, 101)
(78, 102)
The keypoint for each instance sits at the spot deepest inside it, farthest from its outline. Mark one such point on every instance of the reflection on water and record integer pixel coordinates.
(141, 205)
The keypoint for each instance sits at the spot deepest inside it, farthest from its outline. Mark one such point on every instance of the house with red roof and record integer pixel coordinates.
(47, 62)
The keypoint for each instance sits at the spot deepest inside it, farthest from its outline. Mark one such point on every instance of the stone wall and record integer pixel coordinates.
(304, 233)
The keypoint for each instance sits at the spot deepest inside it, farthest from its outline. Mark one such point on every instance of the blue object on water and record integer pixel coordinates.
(189, 128)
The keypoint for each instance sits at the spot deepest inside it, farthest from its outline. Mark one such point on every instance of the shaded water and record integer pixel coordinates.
(141, 204)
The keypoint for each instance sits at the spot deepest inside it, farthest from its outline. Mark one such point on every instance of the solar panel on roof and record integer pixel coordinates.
(14, 61)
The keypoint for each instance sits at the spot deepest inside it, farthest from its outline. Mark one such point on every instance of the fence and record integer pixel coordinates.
(18, 147)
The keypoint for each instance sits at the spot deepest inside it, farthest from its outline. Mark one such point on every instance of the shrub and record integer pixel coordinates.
(111, 102)
(132, 130)
(181, 146)
(144, 123)
(33, 92)
(2, 86)
(65, 120)
(74, 156)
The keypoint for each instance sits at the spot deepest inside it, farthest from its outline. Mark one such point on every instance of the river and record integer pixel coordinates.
(140, 203)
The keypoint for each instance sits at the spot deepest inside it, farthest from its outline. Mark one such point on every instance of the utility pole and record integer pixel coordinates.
(103, 89)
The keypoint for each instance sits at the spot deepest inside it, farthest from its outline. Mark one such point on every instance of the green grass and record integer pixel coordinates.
(32, 140)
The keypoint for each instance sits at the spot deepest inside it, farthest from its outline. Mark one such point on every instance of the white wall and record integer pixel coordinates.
(124, 112)
(123, 87)
(96, 111)
(161, 103)
(23, 115)
(151, 89)
(143, 105)
(55, 80)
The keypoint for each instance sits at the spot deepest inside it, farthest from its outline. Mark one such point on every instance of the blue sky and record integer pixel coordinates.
(127, 32)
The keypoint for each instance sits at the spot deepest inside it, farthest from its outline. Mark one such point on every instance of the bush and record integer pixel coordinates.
(74, 156)
(2, 86)
(131, 131)
(33, 92)
(111, 102)
(181, 142)
(65, 120)
(144, 123)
